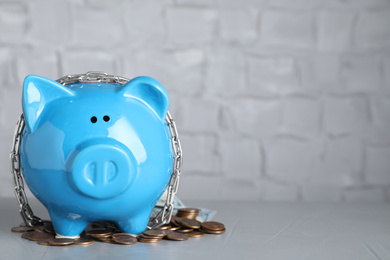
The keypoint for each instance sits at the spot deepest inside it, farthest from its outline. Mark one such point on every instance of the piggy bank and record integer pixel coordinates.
(96, 151)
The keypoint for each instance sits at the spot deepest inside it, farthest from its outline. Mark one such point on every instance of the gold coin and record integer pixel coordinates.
(48, 228)
(189, 223)
(107, 240)
(214, 231)
(212, 225)
(177, 236)
(37, 236)
(165, 227)
(187, 216)
(25, 236)
(195, 234)
(174, 221)
(156, 233)
(44, 242)
(188, 210)
(123, 238)
(174, 228)
(145, 236)
(184, 230)
(84, 241)
(99, 233)
(60, 241)
(149, 240)
(21, 229)
(40, 229)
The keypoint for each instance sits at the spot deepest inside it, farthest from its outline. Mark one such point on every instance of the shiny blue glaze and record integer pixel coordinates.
(82, 170)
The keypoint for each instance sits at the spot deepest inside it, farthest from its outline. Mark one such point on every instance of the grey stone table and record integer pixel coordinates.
(254, 231)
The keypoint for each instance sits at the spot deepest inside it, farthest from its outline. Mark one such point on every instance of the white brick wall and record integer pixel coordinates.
(274, 100)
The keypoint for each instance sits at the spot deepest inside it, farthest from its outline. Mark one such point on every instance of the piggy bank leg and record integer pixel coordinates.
(136, 224)
(68, 225)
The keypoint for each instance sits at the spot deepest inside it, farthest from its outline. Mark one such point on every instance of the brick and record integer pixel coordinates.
(369, 4)
(189, 26)
(13, 21)
(380, 107)
(10, 110)
(240, 190)
(322, 176)
(361, 74)
(5, 150)
(196, 2)
(301, 117)
(96, 27)
(386, 68)
(301, 4)
(319, 4)
(199, 115)
(372, 30)
(226, 122)
(50, 21)
(335, 30)
(225, 72)
(291, 160)
(179, 70)
(377, 165)
(174, 108)
(107, 4)
(257, 118)
(7, 187)
(273, 191)
(288, 29)
(38, 61)
(271, 76)
(6, 68)
(387, 194)
(238, 25)
(343, 115)
(364, 194)
(144, 30)
(250, 3)
(320, 73)
(342, 162)
(321, 192)
(378, 134)
(241, 159)
(200, 187)
(200, 153)
(379, 129)
(74, 62)
(189, 57)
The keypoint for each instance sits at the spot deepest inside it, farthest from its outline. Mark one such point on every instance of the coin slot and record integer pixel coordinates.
(94, 119)
(106, 118)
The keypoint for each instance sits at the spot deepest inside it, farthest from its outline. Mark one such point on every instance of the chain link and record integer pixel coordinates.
(163, 217)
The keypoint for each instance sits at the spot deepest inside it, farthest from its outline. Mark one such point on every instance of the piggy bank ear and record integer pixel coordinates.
(38, 92)
(148, 91)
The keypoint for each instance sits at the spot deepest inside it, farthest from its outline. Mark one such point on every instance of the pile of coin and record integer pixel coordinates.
(190, 213)
(182, 227)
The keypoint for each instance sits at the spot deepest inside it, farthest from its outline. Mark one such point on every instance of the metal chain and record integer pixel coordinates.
(24, 208)
(163, 217)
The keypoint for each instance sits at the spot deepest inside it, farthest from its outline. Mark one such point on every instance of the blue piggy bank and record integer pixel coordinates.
(96, 151)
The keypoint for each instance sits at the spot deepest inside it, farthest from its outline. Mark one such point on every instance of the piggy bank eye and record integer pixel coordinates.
(106, 118)
(94, 119)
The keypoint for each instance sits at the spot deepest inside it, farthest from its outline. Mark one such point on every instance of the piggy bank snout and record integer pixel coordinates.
(102, 169)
